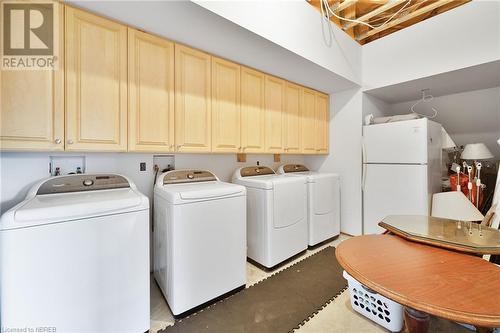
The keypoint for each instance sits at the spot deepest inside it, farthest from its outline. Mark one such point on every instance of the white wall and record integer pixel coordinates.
(296, 26)
(464, 36)
(468, 117)
(345, 156)
(375, 106)
(19, 171)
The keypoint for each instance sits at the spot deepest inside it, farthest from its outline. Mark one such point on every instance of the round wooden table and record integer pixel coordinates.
(425, 279)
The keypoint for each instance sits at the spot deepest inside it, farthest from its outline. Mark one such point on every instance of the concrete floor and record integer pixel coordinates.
(338, 316)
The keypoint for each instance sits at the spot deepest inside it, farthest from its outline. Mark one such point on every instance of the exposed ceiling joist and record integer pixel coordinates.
(400, 13)
(405, 18)
(345, 4)
(389, 5)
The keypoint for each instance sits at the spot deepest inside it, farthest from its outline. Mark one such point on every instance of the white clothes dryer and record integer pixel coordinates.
(323, 203)
(276, 214)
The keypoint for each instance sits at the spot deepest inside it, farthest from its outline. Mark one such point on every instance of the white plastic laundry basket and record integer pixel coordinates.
(378, 308)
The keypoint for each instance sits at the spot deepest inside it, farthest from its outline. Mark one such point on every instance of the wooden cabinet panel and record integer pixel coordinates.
(226, 115)
(291, 118)
(151, 93)
(96, 83)
(253, 111)
(274, 105)
(323, 118)
(308, 121)
(192, 100)
(32, 105)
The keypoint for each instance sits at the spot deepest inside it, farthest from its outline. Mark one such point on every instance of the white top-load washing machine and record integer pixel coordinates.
(276, 214)
(74, 256)
(199, 238)
(323, 204)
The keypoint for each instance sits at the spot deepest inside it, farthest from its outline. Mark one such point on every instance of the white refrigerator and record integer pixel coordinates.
(401, 169)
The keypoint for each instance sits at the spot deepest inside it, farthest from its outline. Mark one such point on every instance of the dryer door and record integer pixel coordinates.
(290, 202)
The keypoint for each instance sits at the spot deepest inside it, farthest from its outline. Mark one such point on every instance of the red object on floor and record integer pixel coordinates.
(464, 179)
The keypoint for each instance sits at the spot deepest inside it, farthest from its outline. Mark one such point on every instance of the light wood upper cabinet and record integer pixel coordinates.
(119, 89)
(96, 83)
(291, 119)
(193, 110)
(253, 112)
(323, 119)
(32, 105)
(151, 92)
(274, 105)
(308, 121)
(226, 111)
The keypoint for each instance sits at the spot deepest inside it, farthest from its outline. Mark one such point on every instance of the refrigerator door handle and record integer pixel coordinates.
(363, 170)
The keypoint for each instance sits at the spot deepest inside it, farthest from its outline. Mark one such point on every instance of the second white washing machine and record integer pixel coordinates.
(199, 238)
(323, 203)
(276, 214)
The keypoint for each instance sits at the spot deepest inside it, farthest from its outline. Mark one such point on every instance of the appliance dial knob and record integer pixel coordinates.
(88, 182)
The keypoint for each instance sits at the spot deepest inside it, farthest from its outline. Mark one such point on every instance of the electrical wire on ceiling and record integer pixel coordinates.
(426, 97)
(325, 6)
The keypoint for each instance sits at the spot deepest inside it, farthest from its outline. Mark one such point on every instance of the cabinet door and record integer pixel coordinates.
(323, 117)
(226, 117)
(252, 111)
(32, 104)
(308, 121)
(151, 93)
(192, 100)
(96, 83)
(292, 118)
(274, 104)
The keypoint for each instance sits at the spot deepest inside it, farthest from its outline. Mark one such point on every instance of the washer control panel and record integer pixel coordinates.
(256, 171)
(294, 168)
(82, 182)
(188, 176)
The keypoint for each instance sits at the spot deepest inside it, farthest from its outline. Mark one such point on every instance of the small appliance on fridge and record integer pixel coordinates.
(401, 169)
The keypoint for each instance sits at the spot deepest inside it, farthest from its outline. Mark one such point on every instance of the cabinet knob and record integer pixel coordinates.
(70, 142)
(179, 146)
(57, 141)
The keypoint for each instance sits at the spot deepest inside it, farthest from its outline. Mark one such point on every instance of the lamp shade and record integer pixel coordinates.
(476, 151)
(447, 140)
(454, 205)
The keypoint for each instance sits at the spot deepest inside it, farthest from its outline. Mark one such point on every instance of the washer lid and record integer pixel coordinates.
(182, 193)
(268, 182)
(59, 207)
(301, 170)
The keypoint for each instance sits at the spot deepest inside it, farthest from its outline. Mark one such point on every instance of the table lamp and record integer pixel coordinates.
(476, 151)
(454, 205)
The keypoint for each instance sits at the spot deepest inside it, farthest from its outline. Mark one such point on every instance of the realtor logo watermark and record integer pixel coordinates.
(29, 35)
